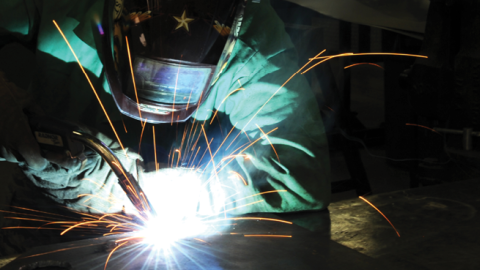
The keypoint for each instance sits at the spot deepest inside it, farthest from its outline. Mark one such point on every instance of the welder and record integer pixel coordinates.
(163, 62)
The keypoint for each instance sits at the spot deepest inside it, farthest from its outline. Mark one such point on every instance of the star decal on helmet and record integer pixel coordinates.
(183, 21)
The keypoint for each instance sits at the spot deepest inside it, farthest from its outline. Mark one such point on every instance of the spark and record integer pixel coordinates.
(239, 155)
(244, 149)
(248, 138)
(115, 215)
(170, 154)
(141, 135)
(371, 53)
(179, 156)
(208, 145)
(189, 96)
(25, 214)
(195, 132)
(280, 88)
(81, 224)
(239, 176)
(254, 218)
(218, 149)
(127, 239)
(30, 228)
(37, 211)
(190, 137)
(239, 132)
(188, 165)
(113, 233)
(59, 250)
(213, 161)
(176, 129)
(266, 137)
(236, 90)
(378, 210)
(357, 64)
(109, 255)
(416, 125)
(29, 219)
(133, 79)
(264, 134)
(201, 240)
(268, 235)
(250, 143)
(124, 126)
(91, 85)
(155, 148)
(325, 58)
(234, 156)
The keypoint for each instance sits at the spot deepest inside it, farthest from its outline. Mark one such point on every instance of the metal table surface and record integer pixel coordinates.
(439, 226)
(304, 250)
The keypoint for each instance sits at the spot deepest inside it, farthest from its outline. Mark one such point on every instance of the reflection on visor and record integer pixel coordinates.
(163, 81)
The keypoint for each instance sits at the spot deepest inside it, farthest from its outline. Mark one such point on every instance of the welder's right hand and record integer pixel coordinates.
(17, 143)
(89, 185)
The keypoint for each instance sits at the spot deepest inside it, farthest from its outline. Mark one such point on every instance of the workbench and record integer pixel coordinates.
(437, 227)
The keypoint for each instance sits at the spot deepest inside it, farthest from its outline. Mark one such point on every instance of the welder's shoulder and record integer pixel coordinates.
(17, 17)
(263, 47)
(263, 30)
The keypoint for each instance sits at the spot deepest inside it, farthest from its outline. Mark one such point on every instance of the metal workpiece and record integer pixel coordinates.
(126, 180)
(232, 249)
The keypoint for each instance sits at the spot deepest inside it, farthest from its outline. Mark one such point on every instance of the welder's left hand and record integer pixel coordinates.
(88, 186)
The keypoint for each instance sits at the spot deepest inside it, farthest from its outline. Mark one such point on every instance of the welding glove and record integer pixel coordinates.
(181, 193)
(17, 143)
(89, 185)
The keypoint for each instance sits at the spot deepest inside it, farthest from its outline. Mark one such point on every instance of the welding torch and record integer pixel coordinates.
(56, 135)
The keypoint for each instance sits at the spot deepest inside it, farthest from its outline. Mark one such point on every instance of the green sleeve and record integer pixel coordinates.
(300, 166)
(262, 62)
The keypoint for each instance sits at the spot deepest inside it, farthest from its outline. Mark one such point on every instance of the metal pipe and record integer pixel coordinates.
(125, 179)
(455, 131)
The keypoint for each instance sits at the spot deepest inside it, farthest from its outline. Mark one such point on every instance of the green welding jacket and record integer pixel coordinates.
(286, 170)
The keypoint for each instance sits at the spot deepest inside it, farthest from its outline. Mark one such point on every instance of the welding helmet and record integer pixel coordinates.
(161, 57)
